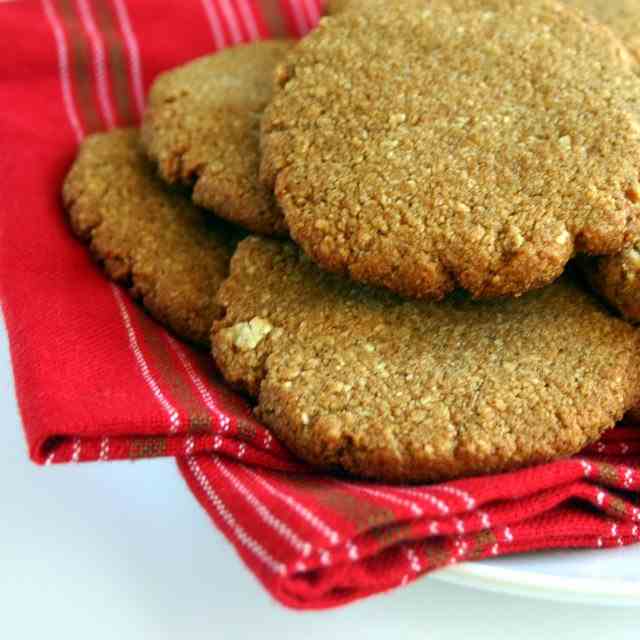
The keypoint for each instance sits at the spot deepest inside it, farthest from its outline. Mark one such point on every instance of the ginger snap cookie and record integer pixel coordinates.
(617, 277)
(622, 16)
(617, 280)
(168, 253)
(337, 6)
(356, 378)
(334, 7)
(472, 143)
(202, 128)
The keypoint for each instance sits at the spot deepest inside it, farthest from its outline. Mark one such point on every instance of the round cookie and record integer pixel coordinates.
(472, 143)
(202, 128)
(358, 379)
(151, 239)
(623, 16)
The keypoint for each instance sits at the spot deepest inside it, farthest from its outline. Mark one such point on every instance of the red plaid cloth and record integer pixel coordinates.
(98, 380)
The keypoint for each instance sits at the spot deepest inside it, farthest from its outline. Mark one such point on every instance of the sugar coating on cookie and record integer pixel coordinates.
(202, 129)
(170, 255)
(622, 16)
(473, 143)
(359, 379)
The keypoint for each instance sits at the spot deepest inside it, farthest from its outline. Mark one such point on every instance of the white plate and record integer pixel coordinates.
(604, 576)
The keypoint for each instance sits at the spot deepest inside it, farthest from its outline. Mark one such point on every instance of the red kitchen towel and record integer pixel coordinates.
(96, 379)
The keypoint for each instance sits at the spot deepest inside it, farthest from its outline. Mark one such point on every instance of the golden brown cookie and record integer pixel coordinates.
(472, 143)
(617, 279)
(334, 7)
(151, 239)
(338, 6)
(356, 378)
(202, 128)
(623, 16)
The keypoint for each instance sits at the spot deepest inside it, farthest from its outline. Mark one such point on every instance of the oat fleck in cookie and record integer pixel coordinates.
(146, 236)
(623, 16)
(358, 379)
(473, 143)
(202, 128)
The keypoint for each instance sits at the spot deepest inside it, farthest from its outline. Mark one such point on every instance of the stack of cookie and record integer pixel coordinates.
(437, 166)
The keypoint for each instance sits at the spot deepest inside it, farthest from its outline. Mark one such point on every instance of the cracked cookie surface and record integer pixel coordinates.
(202, 129)
(170, 255)
(356, 378)
(490, 175)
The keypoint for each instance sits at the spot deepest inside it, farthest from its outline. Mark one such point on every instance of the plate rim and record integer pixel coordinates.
(492, 577)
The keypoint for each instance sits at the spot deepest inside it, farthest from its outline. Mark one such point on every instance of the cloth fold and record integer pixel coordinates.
(97, 379)
(317, 542)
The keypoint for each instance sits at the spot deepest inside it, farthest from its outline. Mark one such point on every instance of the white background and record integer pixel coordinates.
(122, 550)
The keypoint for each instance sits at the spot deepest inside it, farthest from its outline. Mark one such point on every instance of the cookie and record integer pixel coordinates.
(334, 7)
(458, 143)
(337, 6)
(202, 129)
(356, 378)
(617, 280)
(622, 16)
(162, 248)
